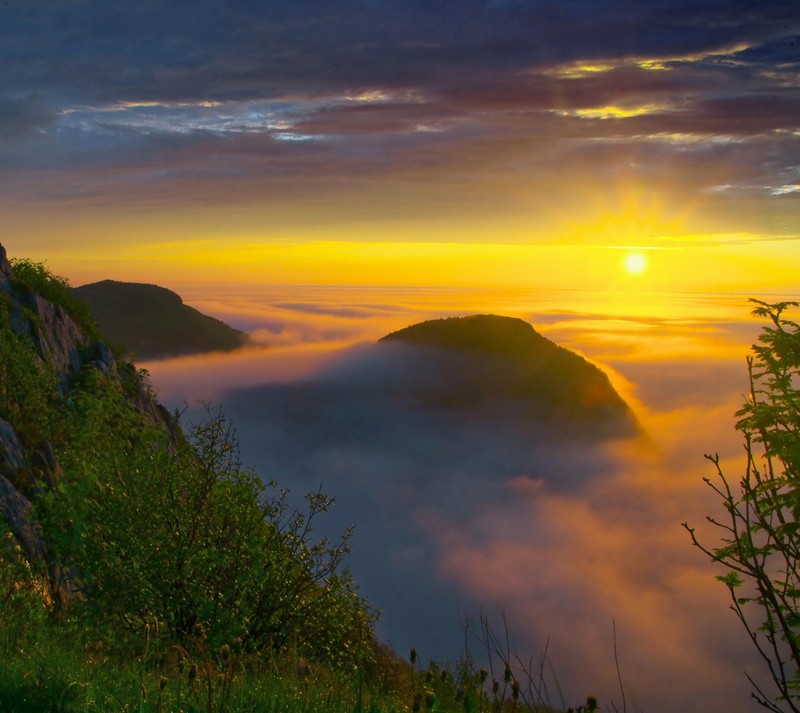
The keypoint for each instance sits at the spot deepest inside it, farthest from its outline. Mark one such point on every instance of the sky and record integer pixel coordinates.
(404, 142)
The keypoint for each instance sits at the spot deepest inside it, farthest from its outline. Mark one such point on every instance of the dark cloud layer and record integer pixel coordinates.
(275, 97)
(213, 50)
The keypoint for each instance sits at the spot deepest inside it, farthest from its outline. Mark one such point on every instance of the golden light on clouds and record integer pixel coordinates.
(617, 112)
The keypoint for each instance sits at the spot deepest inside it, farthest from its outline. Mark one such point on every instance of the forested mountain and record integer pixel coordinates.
(152, 322)
(489, 366)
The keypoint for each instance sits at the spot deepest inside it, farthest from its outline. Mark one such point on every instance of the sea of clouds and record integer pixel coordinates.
(566, 541)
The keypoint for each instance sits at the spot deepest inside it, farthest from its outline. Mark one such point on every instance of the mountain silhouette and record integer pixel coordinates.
(460, 383)
(494, 367)
(153, 322)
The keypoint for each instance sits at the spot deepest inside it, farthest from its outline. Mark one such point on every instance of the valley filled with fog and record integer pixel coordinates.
(458, 517)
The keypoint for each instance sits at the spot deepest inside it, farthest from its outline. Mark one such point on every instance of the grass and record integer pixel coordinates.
(65, 674)
(64, 667)
(77, 662)
(225, 586)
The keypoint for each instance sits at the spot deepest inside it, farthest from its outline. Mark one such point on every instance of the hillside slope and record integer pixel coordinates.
(50, 363)
(111, 511)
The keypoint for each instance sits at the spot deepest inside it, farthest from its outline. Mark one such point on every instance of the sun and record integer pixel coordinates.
(635, 263)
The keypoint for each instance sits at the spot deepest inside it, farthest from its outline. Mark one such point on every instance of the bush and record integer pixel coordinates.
(760, 527)
(27, 384)
(36, 277)
(180, 535)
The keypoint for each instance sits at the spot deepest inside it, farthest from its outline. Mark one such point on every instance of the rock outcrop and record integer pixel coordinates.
(12, 458)
(60, 346)
(5, 270)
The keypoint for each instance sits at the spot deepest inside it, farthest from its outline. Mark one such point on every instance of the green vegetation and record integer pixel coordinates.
(477, 333)
(761, 520)
(160, 547)
(27, 384)
(168, 577)
(486, 365)
(176, 580)
(36, 278)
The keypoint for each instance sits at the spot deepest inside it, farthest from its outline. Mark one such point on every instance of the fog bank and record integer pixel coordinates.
(467, 517)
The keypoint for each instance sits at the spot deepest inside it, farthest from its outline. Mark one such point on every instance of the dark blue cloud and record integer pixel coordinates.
(271, 96)
(23, 117)
(96, 50)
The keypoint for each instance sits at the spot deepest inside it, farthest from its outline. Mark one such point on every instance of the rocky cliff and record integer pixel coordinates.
(44, 355)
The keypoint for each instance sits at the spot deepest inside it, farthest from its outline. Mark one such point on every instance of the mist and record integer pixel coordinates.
(456, 517)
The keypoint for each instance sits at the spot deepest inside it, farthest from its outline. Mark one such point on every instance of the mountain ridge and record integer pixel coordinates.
(153, 322)
(46, 355)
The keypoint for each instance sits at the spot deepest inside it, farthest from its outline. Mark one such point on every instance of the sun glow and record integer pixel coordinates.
(635, 263)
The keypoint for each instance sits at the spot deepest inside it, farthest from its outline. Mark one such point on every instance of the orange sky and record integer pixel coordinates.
(758, 268)
(622, 175)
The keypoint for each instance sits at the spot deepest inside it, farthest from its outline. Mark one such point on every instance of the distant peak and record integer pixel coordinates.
(153, 322)
(130, 290)
(477, 332)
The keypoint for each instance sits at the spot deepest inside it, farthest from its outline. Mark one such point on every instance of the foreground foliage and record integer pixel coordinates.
(36, 278)
(148, 534)
(168, 577)
(760, 529)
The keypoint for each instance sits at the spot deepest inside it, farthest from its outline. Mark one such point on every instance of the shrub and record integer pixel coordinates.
(181, 534)
(36, 277)
(27, 384)
(760, 526)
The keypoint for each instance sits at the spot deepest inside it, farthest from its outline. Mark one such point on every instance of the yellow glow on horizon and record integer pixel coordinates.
(754, 268)
(635, 219)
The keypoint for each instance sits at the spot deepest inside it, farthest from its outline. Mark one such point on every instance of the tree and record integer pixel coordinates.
(760, 527)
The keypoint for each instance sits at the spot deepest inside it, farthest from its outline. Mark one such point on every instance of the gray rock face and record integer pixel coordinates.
(14, 510)
(58, 339)
(5, 271)
(46, 469)
(12, 458)
(104, 359)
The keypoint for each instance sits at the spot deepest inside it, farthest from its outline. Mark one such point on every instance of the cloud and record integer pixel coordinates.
(560, 539)
(465, 517)
(141, 104)
(21, 118)
(155, 51)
